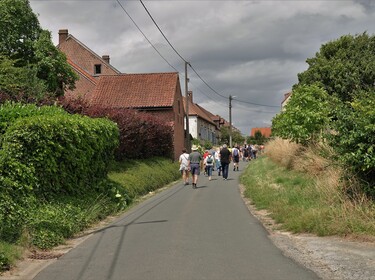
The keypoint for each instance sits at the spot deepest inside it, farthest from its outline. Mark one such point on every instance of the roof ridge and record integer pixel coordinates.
(92, 52)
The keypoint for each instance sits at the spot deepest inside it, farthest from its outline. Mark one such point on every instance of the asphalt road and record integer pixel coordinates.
(181, 233)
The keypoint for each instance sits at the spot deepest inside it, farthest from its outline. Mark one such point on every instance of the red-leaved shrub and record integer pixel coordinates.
(142, 135)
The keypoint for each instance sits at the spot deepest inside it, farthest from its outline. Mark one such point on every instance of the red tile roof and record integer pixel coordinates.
(266, 131)
(136, 90)
(196, 110)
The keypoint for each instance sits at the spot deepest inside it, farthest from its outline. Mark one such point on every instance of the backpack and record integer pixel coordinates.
(210, 159)
(235, 152)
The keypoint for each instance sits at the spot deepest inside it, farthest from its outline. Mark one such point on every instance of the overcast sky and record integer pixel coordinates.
(252, 50)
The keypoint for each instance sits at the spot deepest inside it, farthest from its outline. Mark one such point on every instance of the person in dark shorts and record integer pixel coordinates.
(195, 159)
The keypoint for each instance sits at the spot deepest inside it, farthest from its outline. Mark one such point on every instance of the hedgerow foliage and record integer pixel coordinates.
(47, 153)
(355, 137)
(142, 135)
(66, 152)
(306, 115)
(338, 105)
(12, 111)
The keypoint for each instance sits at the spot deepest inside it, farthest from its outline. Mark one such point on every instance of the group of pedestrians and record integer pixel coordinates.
(212, 159)
(250, 152)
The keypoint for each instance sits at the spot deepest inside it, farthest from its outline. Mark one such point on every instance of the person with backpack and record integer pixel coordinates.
(195, 159)
(209, 163)
(236, 158)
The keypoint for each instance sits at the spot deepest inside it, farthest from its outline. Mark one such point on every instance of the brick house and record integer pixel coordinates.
(266, 131)
(155, 93)
(101, 84)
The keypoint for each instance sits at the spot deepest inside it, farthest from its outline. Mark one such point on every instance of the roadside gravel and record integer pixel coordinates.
(331, 258)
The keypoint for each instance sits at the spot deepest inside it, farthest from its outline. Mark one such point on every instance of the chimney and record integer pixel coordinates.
(190, 96)
(63, 34)
(106, 58)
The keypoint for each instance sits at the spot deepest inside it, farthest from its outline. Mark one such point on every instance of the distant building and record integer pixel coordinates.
(286, 99)
(266, 131)
(203, 125)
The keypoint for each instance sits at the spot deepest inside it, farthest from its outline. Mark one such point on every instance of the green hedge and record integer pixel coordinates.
(66, 153)
(12, 111)
(45, 153)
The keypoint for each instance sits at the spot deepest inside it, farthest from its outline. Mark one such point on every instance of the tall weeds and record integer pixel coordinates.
(329, 204)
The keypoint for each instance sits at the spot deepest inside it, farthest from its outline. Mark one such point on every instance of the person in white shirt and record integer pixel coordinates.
(184, 166)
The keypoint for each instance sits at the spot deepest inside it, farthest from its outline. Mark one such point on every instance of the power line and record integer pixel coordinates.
(256, 104)
(199, 76)
(161, 31)
(122, 7)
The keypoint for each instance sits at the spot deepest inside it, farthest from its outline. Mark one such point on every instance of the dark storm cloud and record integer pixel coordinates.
(249, 49)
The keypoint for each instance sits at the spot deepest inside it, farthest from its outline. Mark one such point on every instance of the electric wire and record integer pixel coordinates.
(144, 35)
(196, 73)
(162, 33)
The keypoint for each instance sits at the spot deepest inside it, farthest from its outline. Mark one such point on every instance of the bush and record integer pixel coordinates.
(142, 135)
(355, 137)
(67, 154)
(12, 111)
(305, 116)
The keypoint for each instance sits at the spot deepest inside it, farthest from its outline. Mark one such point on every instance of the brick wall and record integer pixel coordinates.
(83, 88)
(82, 56)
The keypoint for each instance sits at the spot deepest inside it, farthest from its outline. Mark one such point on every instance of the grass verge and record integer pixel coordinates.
(306, 198)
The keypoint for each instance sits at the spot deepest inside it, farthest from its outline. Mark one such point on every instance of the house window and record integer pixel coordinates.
(97, 69)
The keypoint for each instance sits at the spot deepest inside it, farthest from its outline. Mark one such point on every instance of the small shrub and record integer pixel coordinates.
(4, 262)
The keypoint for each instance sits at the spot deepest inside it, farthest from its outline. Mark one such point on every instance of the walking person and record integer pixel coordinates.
(209, 163)
(236, 158)
(217, 161)
(225, 158)
(246, 153)
(206, 153)
(184, 166)
(195, 159)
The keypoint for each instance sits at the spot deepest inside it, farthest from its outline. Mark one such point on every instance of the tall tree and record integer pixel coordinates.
(305, 116)
(19, 30)
(343, 66)
(52, 66)
(24, 44)
(19, 83)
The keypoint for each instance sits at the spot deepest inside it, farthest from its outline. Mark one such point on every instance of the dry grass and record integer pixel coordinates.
(283, 151)
(350, 212)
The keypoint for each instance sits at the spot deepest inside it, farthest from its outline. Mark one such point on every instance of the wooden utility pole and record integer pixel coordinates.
(188, 146)
(230, 121)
